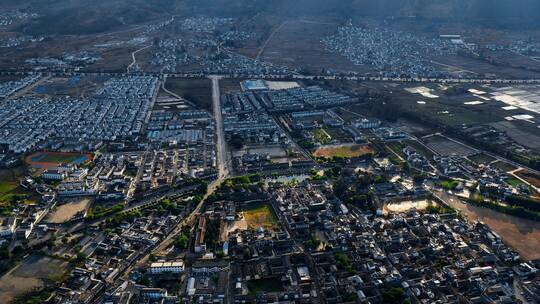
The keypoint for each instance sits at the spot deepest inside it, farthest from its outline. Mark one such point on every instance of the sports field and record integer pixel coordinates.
(345, 151)
(46, 160)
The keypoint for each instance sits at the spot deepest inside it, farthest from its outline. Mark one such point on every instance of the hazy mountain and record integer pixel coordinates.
(91, 16)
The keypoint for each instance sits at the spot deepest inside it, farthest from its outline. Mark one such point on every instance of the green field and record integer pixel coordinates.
(59, 158)
(260, 216)
(514, 182)
(11, 191)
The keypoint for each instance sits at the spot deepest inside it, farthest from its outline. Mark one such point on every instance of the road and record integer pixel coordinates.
(134, 59)
(222, 167)
(221, 146)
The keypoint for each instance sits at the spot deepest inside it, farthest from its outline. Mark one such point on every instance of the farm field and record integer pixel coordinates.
(503, 166)
(533, 179)
(345, 151)
(481, 159)
(297, 43)
(447, 147)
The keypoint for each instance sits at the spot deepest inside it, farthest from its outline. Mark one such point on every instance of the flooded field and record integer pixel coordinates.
(68, 210)
(521, 234)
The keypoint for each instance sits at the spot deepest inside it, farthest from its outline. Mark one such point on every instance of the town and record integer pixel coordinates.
(249, 155)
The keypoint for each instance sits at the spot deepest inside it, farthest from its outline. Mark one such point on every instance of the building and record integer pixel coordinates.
(173, 267)
(54, 174)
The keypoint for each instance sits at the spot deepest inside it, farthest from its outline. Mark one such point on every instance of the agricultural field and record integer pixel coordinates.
(297, 43)
(260, 216)
(344, 151)
(532, 178)
(481, 159)
(447, 147)
(503, 166)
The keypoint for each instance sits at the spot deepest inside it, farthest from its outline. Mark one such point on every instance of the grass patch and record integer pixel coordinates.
(260, 216)
(344, 151)
(514, 182)
(322, 136)
(264, 285)
(449, 184)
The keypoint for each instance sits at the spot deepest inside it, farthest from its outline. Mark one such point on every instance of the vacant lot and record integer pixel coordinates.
(345, 151)
(197, 91)
(33, 274)
(260, 216)
(67, 211)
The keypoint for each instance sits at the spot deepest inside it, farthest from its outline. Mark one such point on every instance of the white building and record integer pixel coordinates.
(167, 267)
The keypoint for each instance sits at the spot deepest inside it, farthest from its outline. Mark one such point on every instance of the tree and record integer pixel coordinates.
(236, 141)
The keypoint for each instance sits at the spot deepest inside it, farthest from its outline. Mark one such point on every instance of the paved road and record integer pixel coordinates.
(223, 172)
(221, 146)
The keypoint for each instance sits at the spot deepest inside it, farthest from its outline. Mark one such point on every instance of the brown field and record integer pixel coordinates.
(521, 234)
(345, 151)
(68, 210)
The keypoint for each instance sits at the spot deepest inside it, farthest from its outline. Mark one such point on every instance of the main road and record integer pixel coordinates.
(221, 146)
(223, 172)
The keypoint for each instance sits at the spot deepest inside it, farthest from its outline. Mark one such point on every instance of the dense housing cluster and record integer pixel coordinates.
(118, 111)
(391, 53)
